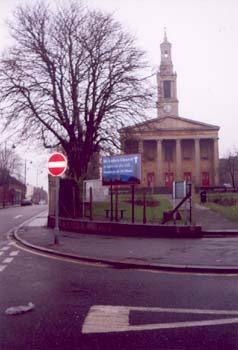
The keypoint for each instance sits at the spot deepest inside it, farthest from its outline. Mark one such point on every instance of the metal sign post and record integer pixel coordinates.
(57, 165)
(56, 229)
(132, 203)
(111, 202)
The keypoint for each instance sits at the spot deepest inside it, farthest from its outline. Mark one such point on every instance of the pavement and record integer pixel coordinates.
(216, 252)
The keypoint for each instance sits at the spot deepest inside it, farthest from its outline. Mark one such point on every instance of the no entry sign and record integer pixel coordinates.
(57, 164)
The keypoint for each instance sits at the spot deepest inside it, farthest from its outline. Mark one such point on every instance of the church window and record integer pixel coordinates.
(167, 88)
(204, 153)
(187, 149)
(131, 146)
(150, 150)
(168, 152)
(205, 149)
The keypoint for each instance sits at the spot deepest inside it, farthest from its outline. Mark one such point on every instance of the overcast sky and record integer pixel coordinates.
(204, 37)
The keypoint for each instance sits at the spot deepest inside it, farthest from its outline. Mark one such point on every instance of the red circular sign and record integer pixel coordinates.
(57, 164)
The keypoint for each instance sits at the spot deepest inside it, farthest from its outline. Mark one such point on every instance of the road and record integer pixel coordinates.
(86, 306)
(14, 216)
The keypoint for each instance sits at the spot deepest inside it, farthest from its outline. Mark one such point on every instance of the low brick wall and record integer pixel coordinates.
(126, 229)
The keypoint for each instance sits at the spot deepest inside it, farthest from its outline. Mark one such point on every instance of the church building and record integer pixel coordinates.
(173, 147)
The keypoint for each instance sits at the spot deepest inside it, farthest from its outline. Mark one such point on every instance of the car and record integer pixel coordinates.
(26, 201)
(227, 185)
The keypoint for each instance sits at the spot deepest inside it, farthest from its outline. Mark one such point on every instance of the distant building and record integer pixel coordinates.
(29, 191)
(36, 194)
(39, 195)
(11, 190)
(173, 147)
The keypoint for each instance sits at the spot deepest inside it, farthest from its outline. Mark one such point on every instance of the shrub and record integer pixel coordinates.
(225, 201)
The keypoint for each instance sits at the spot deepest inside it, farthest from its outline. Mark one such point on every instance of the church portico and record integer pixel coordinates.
(179, 159)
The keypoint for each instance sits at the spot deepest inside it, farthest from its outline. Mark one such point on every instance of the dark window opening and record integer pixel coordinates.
(187, 149)
(167, 88)
(168, 153)
(205, 150)
(150, 150)
(131, 146)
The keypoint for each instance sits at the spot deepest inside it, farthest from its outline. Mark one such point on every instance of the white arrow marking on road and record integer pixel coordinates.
(106, 319)
(2, 267)
(8, 260)
(5, 248)
(14, 253)
(17, 217)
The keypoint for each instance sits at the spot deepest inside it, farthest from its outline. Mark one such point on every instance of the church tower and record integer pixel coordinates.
(167, 104)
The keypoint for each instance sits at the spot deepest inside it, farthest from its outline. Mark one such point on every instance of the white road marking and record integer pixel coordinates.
(8, 260)
(106, 319)
(1, 253)
(17, 217)
(5, 248)
(2, 267)
(14, 253)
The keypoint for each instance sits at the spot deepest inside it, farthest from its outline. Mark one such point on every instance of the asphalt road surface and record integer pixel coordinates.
(86, 306)
(12, 217)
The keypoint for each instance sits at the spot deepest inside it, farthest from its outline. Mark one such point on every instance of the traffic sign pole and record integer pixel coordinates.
(57, 164)
(57, 183)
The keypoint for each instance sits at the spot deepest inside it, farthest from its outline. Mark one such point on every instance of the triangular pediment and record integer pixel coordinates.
(171, 123)
(181, 123)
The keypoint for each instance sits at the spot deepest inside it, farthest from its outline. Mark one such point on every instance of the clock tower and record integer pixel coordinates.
(167, 104)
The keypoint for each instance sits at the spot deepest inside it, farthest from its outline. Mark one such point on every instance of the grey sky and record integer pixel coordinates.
(203, 34)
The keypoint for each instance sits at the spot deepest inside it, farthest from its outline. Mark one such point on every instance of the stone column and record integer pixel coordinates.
(197, 162)
(159, 163)
(140, 147)
(140, 151)
(216, 162)
(178, 160)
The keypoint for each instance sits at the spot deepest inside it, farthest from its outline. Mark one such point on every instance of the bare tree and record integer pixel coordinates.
(10, 163)
(229, 168)
(73, 78)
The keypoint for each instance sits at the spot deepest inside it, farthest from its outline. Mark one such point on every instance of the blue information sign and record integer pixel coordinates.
(121, 170)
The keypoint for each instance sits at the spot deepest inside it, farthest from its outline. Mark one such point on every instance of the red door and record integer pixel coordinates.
(205, 179)
(187, 176)
(169, 178)
(151, 180)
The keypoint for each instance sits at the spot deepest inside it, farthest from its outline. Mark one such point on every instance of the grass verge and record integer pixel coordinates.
(156, 205)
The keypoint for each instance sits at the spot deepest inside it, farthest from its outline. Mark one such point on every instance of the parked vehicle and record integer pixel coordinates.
(26, 201)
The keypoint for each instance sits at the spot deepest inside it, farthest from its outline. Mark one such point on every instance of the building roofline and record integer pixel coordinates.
(149, 121)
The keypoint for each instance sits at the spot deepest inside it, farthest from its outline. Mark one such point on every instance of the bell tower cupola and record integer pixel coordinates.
(167, 103)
